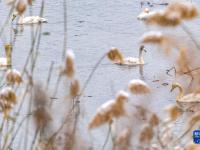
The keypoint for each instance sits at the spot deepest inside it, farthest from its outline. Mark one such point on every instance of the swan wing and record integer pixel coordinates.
(190, 98)
(33, 19)
(145, 15)
(131, 60)
(3, 62)
(189, 102)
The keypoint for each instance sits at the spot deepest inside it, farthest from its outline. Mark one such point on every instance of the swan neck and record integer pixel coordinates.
(180, 95)
(21, 17)
(8, 51)
(141, 59)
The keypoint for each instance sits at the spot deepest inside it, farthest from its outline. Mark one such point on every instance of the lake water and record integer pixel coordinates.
(93, 27)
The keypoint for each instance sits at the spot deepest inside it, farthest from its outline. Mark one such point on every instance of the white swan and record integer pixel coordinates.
(188, 102)
(145, 14)
(28, 20)
(131, 61)
(6, 61)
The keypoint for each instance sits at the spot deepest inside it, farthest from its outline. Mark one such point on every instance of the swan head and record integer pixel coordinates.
(146, 10)
(15, 14)
(174, 86)
(142, 48)
(181, 93)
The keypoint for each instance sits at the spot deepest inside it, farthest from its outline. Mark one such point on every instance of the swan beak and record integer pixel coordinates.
(173, 87)
(13, 18)
(144, 50)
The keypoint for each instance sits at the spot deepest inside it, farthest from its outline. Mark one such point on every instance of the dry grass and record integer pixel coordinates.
(131, 125)
(173, 15)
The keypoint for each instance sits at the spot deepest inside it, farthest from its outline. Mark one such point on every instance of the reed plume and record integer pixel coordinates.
(137, 86)
(186, 10)
(74, 88)
(183, 62)
(115, 55)
(154, 120)
(174, 112)
(172, 15)
(13, 76)
(122, 141)
(69, 68)
(146, 134)
(109, 110)
(41, 113)
(8, 99)
(163, 18)
(42, 117)
(154, 37)
(21, 6)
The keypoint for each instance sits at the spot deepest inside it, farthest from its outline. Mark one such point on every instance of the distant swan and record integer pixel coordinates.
(28, 20)
(145, 14)
(6, 61)
(131, 61)
(188, 102)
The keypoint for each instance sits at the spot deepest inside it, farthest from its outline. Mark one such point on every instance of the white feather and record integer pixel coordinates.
(31, 20)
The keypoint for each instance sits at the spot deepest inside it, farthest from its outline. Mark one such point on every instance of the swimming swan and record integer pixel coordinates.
(28, 20)
(6, 61)
(145, 14)
(188, 102)
(131, 61)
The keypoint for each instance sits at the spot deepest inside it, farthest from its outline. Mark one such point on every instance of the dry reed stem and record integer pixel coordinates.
(8, 98)
(65, 28)
(40, 96)
(49, 75)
